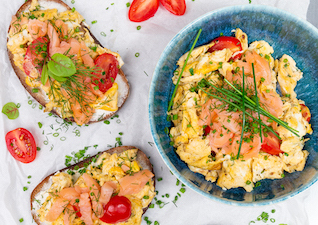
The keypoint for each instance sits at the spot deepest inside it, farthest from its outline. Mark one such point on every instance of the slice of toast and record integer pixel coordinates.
(142, 160)
(123, 85)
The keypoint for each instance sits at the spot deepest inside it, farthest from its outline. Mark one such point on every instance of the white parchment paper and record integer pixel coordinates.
(122, 36)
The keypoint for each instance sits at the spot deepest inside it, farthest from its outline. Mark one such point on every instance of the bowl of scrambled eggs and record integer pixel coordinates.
(198, 136)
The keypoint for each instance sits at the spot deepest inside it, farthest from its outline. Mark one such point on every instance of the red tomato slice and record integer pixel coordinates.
(305, 112)
(229, 42)
(77, 211)
(206, 130)
(106, 78)
(21, 145)
(141, 10)
(176, 7)
(118, 209)
(271, 144)
(35, 55)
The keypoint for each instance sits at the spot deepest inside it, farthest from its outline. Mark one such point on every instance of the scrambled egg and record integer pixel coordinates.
(19, 38)
(106, 168)
(188, 137)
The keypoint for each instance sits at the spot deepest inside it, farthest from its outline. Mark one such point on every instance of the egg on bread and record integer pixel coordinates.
(82, 193)
(86, 84)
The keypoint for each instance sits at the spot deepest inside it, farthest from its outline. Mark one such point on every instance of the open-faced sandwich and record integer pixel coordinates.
(62, 65)
(113, 187)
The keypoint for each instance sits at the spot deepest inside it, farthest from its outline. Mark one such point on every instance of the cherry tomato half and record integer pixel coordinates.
(229, 42)
(271, 144)
(206, 130)
(141, 10)
(118, 209)
(21, 145)
(305, 112)
(176, 7)
(35, 55)
(106, 78)
(77, 211)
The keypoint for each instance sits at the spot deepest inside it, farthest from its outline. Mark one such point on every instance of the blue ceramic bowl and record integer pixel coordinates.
(287, 34)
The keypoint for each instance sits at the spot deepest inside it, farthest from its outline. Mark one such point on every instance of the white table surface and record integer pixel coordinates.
(149, 41)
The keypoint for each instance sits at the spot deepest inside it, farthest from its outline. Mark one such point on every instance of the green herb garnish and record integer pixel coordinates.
(11, 110)
(184, 65)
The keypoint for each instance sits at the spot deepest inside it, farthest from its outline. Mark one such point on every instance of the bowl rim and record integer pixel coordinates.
(256, 8)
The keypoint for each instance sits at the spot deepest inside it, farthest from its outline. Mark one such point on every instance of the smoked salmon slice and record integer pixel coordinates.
(131, 184)
(37, 28)
(87, 59)
(70, 194)
(57, 208)
(106, 192)
(69, 215)
(94, 194)
(85, 209)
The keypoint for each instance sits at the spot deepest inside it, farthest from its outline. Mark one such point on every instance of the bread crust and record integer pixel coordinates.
(142, 160)
(39, 96)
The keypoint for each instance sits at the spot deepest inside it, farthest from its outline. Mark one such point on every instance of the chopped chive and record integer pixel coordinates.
(184, 65)
(94, 21)
(191, 71)
(139, 27)
(137, 54)
(243, 123)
